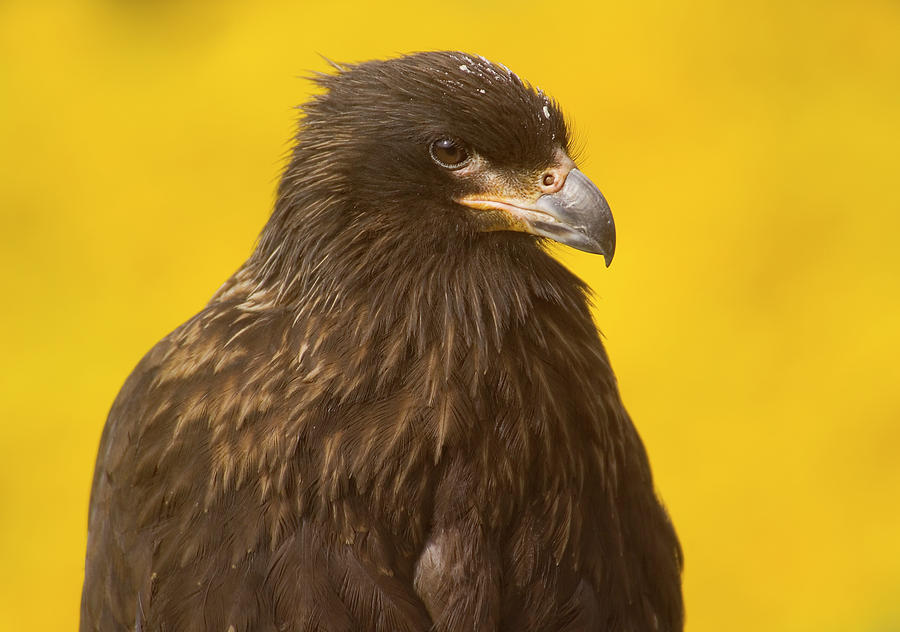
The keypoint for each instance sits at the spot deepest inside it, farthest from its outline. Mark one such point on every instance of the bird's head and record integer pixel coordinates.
(446, 143)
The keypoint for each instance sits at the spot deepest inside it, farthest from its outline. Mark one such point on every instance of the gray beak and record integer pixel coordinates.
(579, 217)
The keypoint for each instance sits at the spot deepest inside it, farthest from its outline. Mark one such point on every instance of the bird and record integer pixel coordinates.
(398, 414)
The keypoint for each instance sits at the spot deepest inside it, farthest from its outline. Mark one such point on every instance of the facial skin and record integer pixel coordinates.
(557, 202)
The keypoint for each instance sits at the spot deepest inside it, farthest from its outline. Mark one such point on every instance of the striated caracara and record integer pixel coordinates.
(397, 415)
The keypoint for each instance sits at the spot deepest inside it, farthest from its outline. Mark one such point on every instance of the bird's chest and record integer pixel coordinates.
(469, 462)
(508, 535)
(519, 457)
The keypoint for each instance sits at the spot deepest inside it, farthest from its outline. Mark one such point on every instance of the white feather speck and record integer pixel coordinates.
(464, 68)
(546, 112)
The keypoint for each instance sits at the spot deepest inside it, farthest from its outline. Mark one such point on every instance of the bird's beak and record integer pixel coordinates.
(576, 215)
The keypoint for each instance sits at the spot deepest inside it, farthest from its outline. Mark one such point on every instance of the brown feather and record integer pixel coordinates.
(385, 420)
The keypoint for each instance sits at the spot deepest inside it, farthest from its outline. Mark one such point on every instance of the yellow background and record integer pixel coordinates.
(749, 151)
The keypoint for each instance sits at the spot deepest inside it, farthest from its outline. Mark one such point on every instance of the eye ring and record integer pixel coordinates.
(449, 153)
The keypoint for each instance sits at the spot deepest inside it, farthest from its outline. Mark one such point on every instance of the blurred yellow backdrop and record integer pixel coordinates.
(749, 151)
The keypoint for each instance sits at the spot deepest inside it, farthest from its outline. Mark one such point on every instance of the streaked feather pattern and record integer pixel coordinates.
(377, 425)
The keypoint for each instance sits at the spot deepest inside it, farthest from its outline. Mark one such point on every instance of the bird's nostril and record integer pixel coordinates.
(549, 179)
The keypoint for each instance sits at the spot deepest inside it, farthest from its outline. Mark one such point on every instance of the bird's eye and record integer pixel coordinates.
(449, 153)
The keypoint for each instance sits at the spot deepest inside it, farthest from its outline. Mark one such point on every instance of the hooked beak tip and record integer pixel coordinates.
(583, 218)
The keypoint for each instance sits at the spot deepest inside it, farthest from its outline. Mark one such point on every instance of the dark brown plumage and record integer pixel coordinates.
(397, 415)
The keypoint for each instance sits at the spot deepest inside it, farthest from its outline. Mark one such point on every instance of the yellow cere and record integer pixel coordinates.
(749, 152)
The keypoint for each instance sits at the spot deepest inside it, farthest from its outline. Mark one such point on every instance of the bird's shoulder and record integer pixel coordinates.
(206, 463)
(190, 359)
